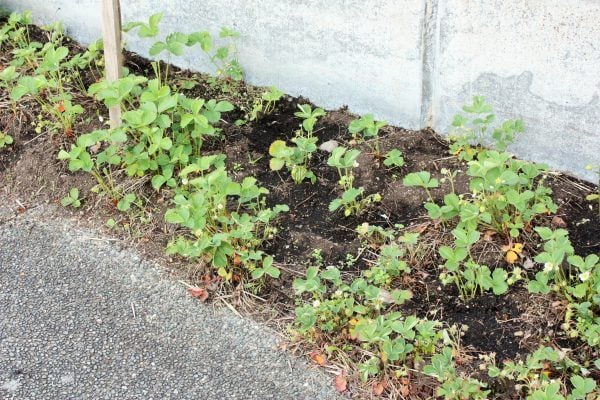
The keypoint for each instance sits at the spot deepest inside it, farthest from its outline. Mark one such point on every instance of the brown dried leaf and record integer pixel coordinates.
(404, 386)
(198, 293)
(489, 235)
(558, 222)
(420, 228)
(378, 388)
(318, 358)
(341, 383)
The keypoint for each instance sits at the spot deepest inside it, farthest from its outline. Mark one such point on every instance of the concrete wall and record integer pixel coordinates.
(412, 62)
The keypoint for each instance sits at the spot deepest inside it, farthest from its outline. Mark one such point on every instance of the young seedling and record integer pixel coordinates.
(223, 58)
(266, 104)
(5, 140)
(344, 160)
(422, 179)
(294, 158)
(266, 269)
(352, 199)
(394, 158)
(367, 127)
(72, 199)
(126, 201)
(309, 117)
(472, 131)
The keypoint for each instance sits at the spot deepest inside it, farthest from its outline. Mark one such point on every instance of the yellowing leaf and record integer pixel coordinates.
(518, 248)
(511, 257)
(319, 358)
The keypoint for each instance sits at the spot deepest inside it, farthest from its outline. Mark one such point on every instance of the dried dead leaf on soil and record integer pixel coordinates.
(341, 383)
(558, 222)
(198, 293)
(379, 388)
(318, 358)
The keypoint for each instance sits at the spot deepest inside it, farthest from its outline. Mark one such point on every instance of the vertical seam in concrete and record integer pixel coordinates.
(429, 46)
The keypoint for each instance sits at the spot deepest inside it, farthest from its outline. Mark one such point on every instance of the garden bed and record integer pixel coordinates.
(482, 331)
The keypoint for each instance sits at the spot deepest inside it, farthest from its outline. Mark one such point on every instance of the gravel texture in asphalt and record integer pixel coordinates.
(81, 318)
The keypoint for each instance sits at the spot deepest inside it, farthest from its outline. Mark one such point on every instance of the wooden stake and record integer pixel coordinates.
(113, 56)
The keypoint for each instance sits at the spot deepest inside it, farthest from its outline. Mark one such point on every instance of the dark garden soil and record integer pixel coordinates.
(510, 325)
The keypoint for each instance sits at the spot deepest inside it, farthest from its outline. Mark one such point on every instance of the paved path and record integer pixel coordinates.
(68, 330)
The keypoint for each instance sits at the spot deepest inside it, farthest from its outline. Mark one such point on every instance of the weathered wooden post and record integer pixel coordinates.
(113, 56)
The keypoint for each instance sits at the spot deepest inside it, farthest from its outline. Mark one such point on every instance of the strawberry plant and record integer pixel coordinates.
(353, 200)
(295, 158)
(15, 31)
(474, 131)
(361, 308)
(452, 385)
(423, 180)
(393, 158)
(266, 104)
(216, 235)
(72, 199)
(309, 117)
(5, 140)
(367, 128)
(533, 380)
(469, 277)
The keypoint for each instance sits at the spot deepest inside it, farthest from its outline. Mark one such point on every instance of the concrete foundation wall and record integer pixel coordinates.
(412, 62)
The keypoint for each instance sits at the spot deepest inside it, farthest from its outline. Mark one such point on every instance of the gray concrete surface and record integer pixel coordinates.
(412, 62)
(82, 319)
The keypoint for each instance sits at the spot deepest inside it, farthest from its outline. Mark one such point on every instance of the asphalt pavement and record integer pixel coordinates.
(83, 318)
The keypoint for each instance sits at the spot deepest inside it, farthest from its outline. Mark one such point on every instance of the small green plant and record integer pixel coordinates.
(474, 131)
(532, 376)
(127, 200)
(224, 58)
(423, 180)
(227, 240)
(353, 200)
(362, 309)
(453, 386)
(72, 199)
(393, 158)
(470, 277)
(5, 140)
(266, 104)
(367, 127)
(575, 277)
(295, 158)
(309, 117)
(595, 196)
(557, 247)
(15, 31)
